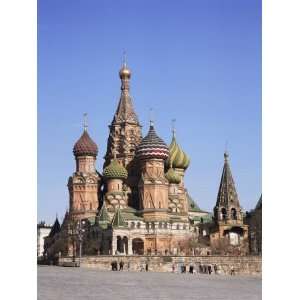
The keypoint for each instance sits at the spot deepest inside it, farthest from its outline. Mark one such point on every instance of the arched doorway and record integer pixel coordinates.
(125, 243)
(138, 246)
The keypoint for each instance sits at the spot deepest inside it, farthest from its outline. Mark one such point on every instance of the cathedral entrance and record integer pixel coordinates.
(138, 246)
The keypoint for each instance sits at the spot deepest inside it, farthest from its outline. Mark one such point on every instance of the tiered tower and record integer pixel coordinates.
(227, 209)
(229, 224)
(153, 186)
(124, 136)
(84, 184)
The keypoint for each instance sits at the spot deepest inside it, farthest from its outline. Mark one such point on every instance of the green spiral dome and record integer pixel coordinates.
(178, 158)
(172, 176)
(115, 171)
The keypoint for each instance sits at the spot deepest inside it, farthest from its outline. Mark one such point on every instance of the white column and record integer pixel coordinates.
(129, 246)
(114, 245)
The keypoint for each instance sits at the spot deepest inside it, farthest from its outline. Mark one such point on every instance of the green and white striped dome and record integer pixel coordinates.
(115, 171)
(172, 176)
(177, 158)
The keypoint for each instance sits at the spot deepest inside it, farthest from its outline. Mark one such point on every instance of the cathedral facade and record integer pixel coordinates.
(138, 204)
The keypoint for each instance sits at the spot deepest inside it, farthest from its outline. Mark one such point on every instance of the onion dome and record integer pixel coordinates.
(152, 146)
(177, 156)
(124, 72)
(172, 176)
(85, 146)
(115, 171)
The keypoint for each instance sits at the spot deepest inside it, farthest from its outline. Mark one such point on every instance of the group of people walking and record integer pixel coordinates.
(204, 269)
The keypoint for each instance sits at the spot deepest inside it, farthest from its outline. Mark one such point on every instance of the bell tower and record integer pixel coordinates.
(227, 209)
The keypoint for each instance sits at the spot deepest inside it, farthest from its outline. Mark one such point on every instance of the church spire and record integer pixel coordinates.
(227, 194)
(227, 206)
(125, 111)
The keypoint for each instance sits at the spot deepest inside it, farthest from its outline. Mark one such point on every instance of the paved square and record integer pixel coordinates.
(82, 283)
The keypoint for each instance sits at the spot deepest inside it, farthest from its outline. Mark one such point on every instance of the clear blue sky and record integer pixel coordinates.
(197, 61)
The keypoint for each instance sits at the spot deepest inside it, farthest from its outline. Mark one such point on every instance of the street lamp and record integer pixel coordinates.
(79, 233)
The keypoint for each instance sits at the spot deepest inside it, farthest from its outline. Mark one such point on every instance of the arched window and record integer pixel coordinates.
(153, 225)
(223, 214)
(233, 214)
(159, 225)
(166, 225)
(132, 224)
(147, 225)
(91, 206)
(138, 225)
(177, 226)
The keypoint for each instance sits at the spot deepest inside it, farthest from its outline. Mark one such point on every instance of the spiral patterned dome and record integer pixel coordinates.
(115, 171)
(177, 158)
(85, 146)
(172, 176)
(152, 146)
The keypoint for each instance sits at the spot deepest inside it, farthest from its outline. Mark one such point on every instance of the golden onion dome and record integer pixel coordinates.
(172, 176)
(124, 72)
(177, 156)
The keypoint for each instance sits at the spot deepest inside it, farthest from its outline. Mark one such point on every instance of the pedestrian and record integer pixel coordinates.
(231, 270)
(146, 267)
(215, 268)
(121, 265)
(200, 269)
(191, 269)
(173, 268)
(128, 266)
(209, 269)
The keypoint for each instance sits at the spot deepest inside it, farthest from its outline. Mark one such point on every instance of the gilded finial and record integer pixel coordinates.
(85, 126)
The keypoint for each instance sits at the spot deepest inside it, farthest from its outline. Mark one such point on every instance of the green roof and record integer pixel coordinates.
(118, 220)
(192, 204)
(204, 219)
(115, 171)
(172, 176)
(103, 215)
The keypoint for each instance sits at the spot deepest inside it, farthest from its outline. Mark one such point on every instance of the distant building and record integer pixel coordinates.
(43, 230)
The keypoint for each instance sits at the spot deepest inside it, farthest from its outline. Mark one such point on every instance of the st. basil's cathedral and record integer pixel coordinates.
(138, 204)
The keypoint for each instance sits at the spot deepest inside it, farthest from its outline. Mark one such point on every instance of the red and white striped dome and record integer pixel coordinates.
(152, 146)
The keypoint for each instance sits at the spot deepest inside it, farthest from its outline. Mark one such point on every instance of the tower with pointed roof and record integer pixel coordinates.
(229, 231)
(84, 184)
(227, 209)
(125, 135)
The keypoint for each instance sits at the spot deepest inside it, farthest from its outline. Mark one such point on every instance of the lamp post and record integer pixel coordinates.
(79, 232)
